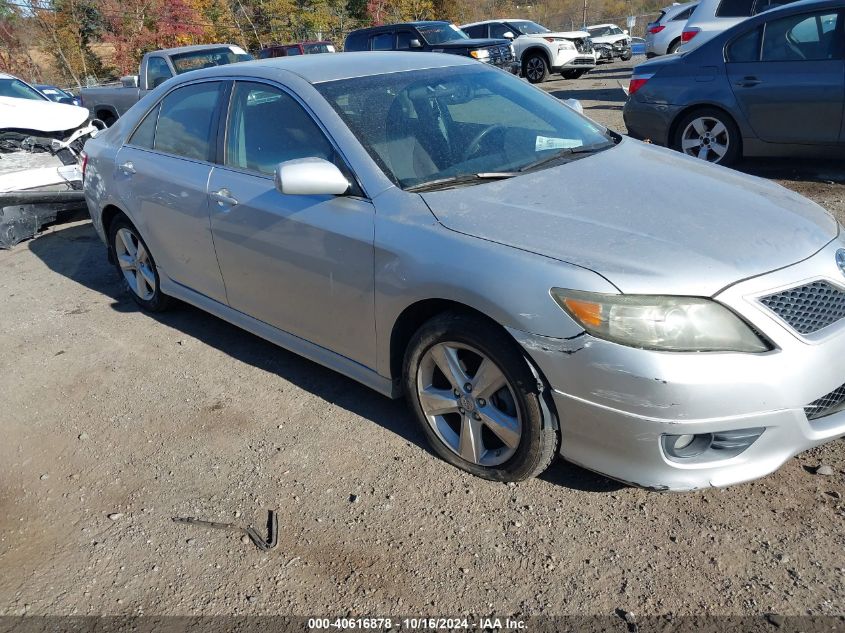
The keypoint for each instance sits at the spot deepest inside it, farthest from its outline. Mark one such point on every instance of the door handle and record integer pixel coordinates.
(748, 82)
(127, 168)
(224, 198)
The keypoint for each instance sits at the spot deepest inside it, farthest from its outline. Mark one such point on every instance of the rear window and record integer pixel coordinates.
(685, 14)
(382, 42)
(734, 8)
(745, 48)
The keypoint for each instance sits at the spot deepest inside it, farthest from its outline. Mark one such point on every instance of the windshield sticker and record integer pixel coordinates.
(545, 142)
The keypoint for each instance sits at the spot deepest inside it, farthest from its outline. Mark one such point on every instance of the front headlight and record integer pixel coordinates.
(677, 324)
(566, 45)
(482, 53)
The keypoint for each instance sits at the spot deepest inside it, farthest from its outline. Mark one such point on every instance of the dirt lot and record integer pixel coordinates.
(110, 412)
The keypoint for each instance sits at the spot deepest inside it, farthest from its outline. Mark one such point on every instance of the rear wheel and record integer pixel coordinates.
(476, 399)
(708, 134)
(573, 74)
(673, 47)
(535, 68)
(626, 55)
(136, 266)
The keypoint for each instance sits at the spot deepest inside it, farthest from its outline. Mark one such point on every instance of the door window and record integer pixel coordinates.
(803, 37)
(186, 122)
(498, 30)
(382, 42)
(293, 50)
(144, 134)
(157, 72)
(403, 40)
(479, 30)
(267, 127)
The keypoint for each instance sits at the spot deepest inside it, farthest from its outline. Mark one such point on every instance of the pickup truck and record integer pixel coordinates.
(107, 103)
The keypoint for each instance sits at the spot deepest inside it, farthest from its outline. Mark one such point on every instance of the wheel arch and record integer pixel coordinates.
(528, 52)
(105, 112)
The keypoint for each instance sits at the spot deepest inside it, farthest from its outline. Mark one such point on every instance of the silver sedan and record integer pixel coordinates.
(428, 226)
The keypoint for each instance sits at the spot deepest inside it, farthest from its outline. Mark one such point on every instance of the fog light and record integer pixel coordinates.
(704, 447)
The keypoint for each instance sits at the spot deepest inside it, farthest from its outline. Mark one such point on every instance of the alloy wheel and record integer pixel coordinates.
(134, 261)
(706, 138)
(535, 69)
(469, 404)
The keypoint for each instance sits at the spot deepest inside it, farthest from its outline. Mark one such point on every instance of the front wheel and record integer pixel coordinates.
(476, 399)
(708, 134)
(573, 74)
(627, 55)
(535, 68)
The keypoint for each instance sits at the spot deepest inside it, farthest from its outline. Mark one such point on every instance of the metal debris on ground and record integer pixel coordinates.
(250, 532)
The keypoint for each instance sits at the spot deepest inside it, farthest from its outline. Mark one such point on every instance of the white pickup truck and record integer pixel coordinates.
(107, 103)
(540, 50)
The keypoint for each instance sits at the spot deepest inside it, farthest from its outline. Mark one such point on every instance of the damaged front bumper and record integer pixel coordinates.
(621, 409)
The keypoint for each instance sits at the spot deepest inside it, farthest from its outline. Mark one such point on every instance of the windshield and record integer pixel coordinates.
(423, 126)
(439, 33)
(526, 27)
(183, 62)
(19, 90)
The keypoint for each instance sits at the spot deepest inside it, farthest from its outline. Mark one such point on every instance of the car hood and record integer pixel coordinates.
(609, 39)
(569, 35)
(650, 220)
(40, 116)
(471, 43)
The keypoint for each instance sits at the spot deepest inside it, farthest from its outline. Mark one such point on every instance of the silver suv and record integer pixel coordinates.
(663, 36)
(427, 225)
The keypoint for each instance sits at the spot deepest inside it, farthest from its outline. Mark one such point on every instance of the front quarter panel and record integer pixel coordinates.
(417, 259)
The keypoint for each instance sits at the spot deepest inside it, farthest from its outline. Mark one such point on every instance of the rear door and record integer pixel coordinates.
(162, 175)
(302, 263)
(791, 84)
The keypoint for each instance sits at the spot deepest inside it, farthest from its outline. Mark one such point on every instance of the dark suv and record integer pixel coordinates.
(436, 37)
(302, 48)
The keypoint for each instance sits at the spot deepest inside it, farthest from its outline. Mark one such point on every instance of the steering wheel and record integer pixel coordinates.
(473, 146)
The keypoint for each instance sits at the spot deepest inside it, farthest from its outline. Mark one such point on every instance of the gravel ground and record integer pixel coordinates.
(113, 421)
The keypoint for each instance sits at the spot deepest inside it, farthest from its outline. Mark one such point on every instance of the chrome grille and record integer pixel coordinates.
(808, 308)
(826, 405)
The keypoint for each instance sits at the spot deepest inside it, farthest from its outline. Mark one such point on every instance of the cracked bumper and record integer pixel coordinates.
(615, 402)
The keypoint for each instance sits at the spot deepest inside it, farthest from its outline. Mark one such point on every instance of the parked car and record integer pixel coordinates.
(610, 41)
(712, 17)
(58, 95)
(302, 48)
(427, 225)
(25, 111)
(439, 37)
(773, 85)
(110, 102)
(540, 51)
(663, 36)
(638, 46)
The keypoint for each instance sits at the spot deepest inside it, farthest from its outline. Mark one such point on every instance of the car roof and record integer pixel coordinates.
(7, 76)
(597, 26)
(191, 49)
(393, 25)
(678, 6)
(498, 20)
(321, 68)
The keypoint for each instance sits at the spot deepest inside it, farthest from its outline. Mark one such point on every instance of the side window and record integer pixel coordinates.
(802, 38)
(267, 126)
(293, 50)
(498, 30)
(144, 134)
(403, 40)
(479, 30)
(185, 124)
(765, 5)
(734, 8)
(746, 47)
(382, 42)
(157, 72)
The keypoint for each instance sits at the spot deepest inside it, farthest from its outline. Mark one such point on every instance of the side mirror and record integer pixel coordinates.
(625, 31)
(130, 81)
(414, 43)
(310, 177)
(508, 35)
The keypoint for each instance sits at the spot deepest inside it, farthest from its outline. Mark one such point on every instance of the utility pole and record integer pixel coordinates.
(585, 12)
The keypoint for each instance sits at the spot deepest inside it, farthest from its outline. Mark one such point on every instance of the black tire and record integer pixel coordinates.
(539, 440)
(159, 301)
(626, 56)
(673, 47)
(535, 68)
(573, 74)
(734, 151)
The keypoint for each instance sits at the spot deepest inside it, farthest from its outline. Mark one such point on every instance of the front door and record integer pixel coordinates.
(793, 91)
(303, 264)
